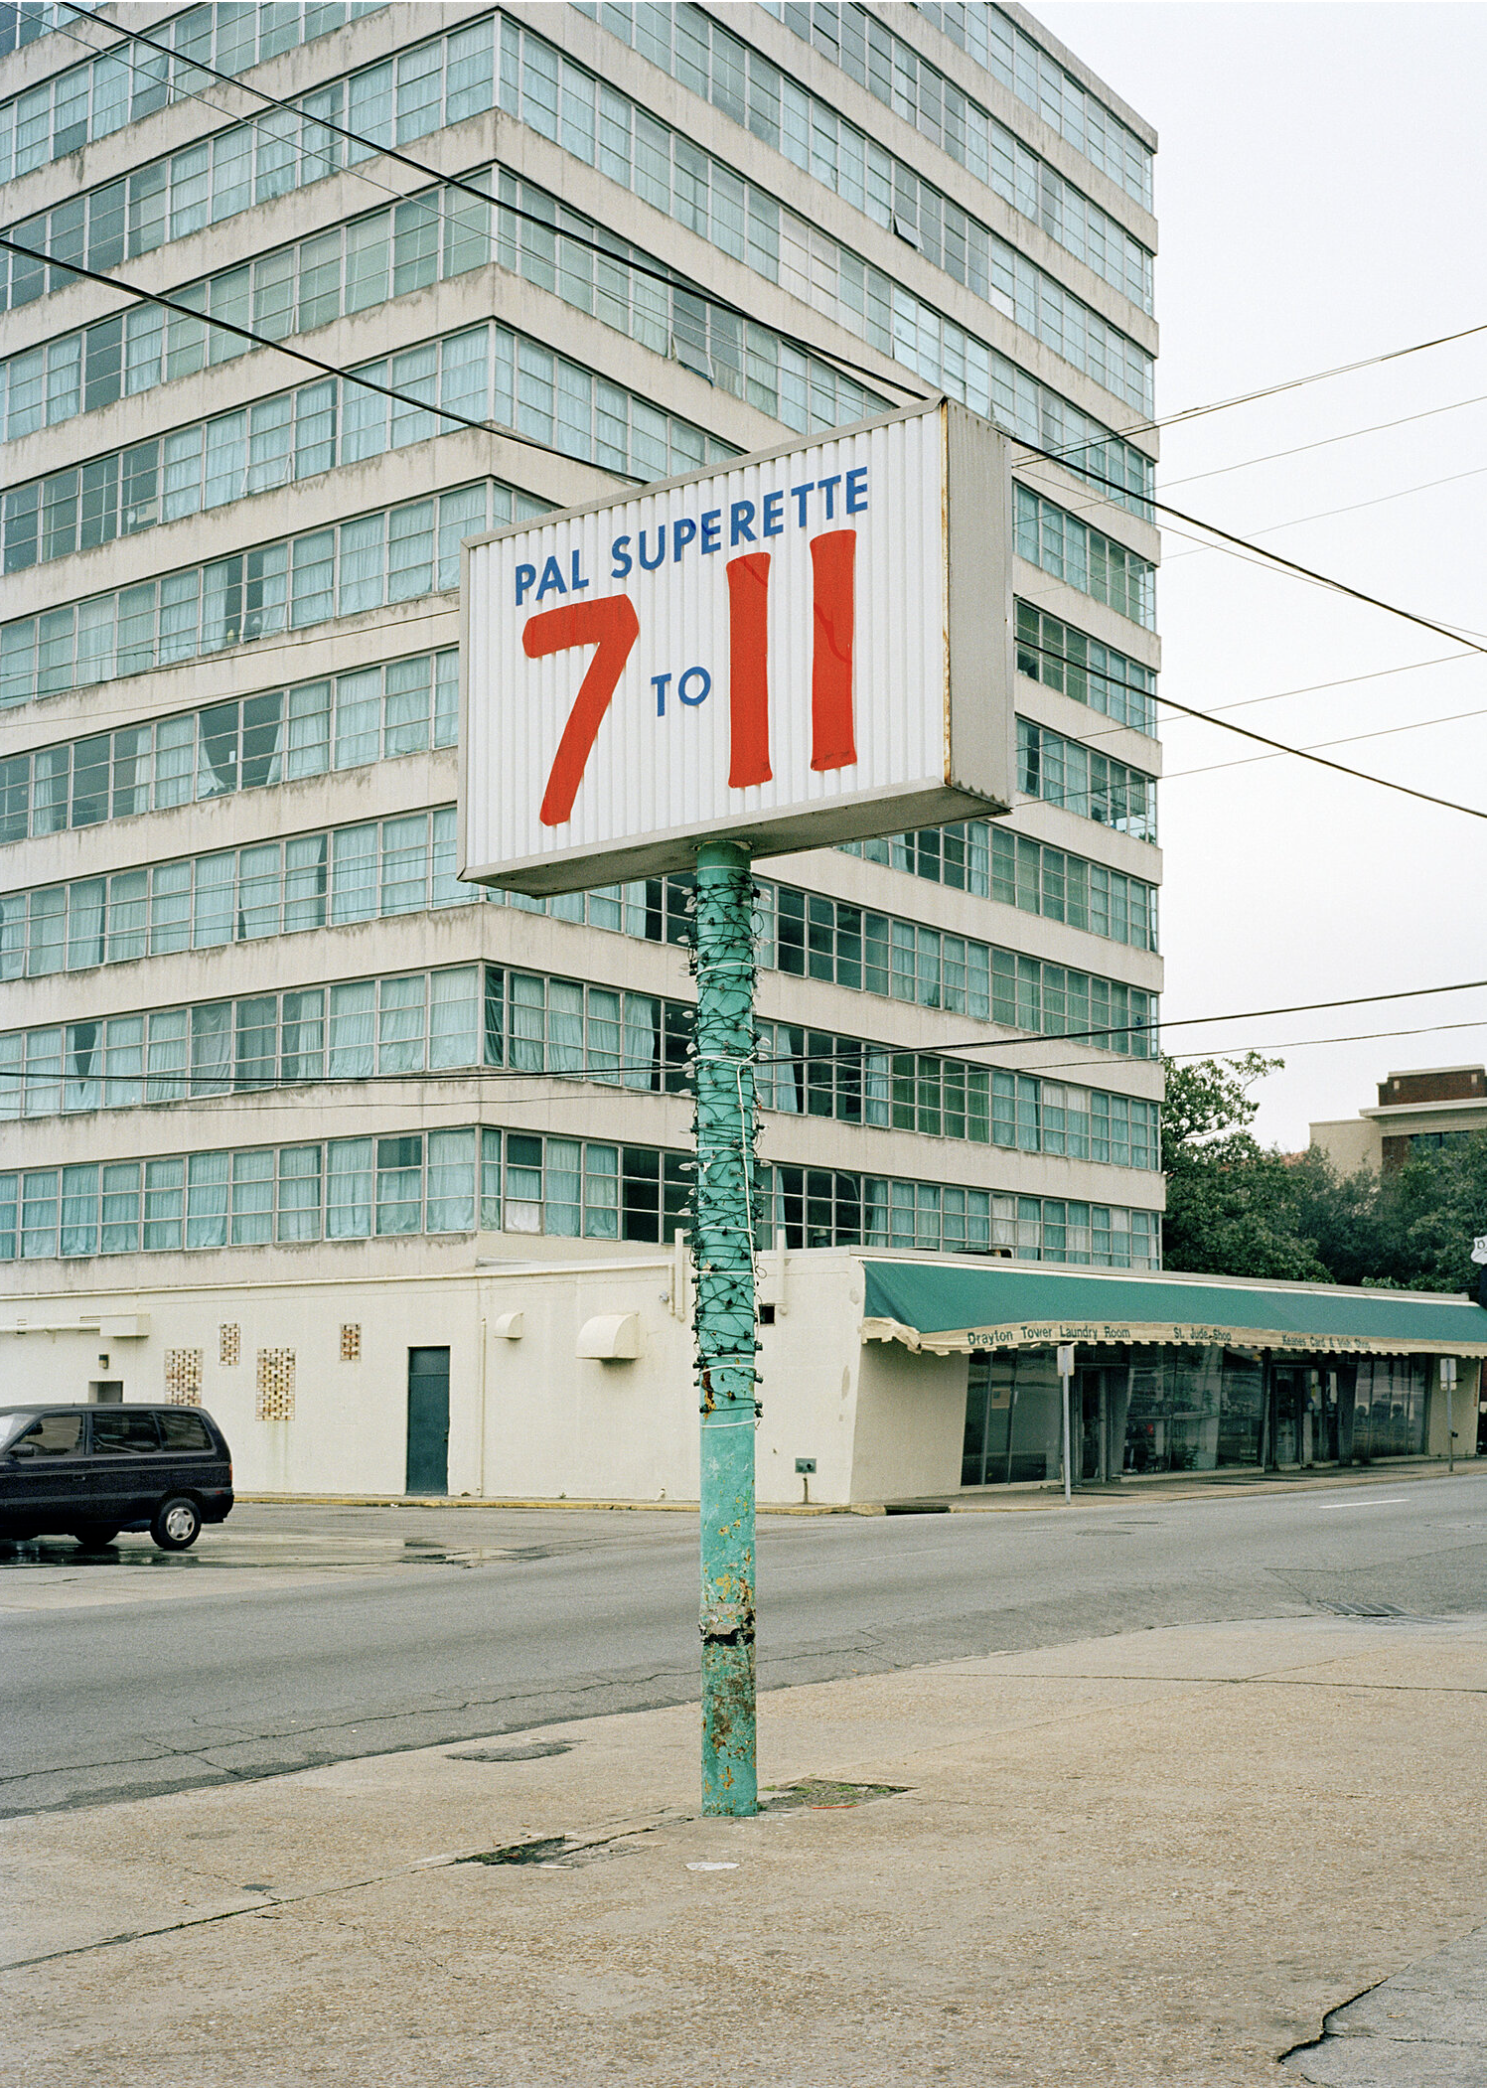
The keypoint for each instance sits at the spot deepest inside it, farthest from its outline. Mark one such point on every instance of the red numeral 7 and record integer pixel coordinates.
(610, 625)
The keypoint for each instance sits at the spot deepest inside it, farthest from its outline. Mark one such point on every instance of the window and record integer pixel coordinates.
(235, 600)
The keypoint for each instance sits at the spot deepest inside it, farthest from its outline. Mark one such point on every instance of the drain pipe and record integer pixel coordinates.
(481, 1414)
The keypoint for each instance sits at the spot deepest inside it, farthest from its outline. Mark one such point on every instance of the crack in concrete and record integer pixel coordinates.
(266, 1903)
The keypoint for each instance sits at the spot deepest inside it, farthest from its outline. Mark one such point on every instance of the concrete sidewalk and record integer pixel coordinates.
(1160, 1858)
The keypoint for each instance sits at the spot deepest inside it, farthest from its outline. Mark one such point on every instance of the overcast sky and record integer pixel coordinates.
(1320, 196)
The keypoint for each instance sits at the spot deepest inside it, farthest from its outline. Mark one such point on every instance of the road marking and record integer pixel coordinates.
(1394, 1501)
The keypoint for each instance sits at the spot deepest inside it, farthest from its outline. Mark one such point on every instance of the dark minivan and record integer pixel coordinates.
(91, 1471)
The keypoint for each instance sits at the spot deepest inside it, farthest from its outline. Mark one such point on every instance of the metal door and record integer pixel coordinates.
(429, 1421)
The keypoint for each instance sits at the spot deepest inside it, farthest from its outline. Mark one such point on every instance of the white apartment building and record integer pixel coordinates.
(254, 1031)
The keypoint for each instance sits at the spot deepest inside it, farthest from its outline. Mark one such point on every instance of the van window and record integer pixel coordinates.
(54, 1435)
(184, 1432)
(120, 1432)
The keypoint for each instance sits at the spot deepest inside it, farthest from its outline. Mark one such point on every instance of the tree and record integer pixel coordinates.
(1231, 1209)
(1432, 1208)
(1237, 1208)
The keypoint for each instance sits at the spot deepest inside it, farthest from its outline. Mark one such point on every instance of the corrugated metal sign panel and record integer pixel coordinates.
(813, 645)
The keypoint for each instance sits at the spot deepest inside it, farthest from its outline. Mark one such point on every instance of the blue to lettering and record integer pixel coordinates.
(574, 580)
(856, 491)
(741, 515)
(621, 559)
(826, 486)
(771, 522)
(700, 675)
(659, 683)
(709, 524)
(801, 495)
(650, 565)
(685, 529)
(524, 576)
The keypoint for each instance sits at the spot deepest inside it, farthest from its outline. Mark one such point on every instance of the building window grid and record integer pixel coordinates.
(277, 736)
(1063, 658)
(461, 1180)
(1071, 550)
(992, 862)
(311, 283)
(483, 372)
(377, 869)
(821, 1207)
(290, 585)
(605, 129)
(899, 76)
(744, 84)
(122, 85)
(1081, 780)
(467, 1016)
(367, 872)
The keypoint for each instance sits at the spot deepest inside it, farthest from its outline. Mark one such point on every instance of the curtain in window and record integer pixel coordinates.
(207, 1200)
(450, 1191)
(299, 1192)
(349, 1188)
(454, 1018)
(350, 1056)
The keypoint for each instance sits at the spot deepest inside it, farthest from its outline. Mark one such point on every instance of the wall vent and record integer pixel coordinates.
(351, 1341)
(276, 1385)
(228, 1347)
(184, 1377)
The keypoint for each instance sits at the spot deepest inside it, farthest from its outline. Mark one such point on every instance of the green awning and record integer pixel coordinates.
(949, 1307)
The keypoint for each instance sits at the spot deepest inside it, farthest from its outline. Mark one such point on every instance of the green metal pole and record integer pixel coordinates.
(724, 1319)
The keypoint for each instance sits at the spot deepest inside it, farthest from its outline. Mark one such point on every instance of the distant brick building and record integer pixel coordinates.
(1437, 1106)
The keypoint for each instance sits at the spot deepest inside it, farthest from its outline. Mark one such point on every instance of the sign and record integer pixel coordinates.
(1044, 1334)
(809, 645)
(1477, 1253)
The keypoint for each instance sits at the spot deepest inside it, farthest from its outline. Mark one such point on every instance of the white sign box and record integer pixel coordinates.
(811, 645)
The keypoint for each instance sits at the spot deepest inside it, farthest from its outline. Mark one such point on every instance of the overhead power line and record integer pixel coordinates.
(1350, 739)
(315, 362)
(1260, 551)
(1245, 732)
(610, 1075)
(1300, 449)
(1352, 507)
(467, 188)
(1130, 1029)
(1270, 391)
(492, 427)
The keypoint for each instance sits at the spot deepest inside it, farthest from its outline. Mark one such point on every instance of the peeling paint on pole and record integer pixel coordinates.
(724, 1320)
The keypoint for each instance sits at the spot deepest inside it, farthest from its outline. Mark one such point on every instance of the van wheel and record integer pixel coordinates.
(177, 1523)
(94, 1536)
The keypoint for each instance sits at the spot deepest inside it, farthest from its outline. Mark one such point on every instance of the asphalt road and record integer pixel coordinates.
(300, 1635)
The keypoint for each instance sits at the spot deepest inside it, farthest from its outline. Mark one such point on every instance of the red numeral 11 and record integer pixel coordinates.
(610, 625)
(832, 660)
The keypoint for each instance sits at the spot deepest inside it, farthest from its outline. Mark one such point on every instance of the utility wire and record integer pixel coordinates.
(656, 273)
(420, 167)
(1327, 442)
(1353, 507)
(1350, 739)
(1188, 413)
(603, 1079)
(489, 201)
(1128, 1029)
(612, 1076)
(1261, 552)
(1277, 746)
(171, 304)
(1270, 391)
